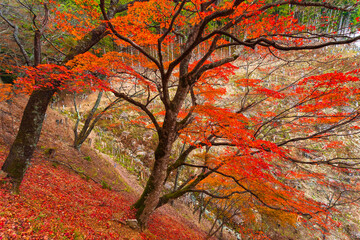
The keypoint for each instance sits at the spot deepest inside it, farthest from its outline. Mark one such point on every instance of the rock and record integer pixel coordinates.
(138, 161)
(125, 133)
(353, 231)
(124, 115)
(148, 135)
(132, 223)
(169, 186)
(3, 174)
(140, 148)
(141, 154)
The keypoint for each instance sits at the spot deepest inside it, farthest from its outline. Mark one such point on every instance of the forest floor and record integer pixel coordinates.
(68, 194)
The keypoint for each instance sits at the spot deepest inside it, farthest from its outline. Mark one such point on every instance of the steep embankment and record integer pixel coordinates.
(71, 195)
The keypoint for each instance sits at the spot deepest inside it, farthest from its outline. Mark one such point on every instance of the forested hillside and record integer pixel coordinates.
(116, 116)
(76, 195)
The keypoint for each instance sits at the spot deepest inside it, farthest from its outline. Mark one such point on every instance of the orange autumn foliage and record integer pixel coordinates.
(184, 57)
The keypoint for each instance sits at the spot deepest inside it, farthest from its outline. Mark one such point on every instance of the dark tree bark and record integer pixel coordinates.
(151, 195)
(30, 127)
(194, 37)
(28, 135)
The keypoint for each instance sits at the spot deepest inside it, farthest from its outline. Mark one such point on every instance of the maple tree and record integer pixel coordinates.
(188, 93)
(185, 90)
(44, 88)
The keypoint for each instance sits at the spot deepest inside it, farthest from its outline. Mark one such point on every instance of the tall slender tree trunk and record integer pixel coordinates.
(28, 135)
(79, 138)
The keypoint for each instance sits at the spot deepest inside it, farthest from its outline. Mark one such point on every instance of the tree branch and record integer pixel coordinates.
(17, 40)
(140, 105)
(121, 37)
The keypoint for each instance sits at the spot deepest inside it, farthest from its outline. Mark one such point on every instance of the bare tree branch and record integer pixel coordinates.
(17, 40)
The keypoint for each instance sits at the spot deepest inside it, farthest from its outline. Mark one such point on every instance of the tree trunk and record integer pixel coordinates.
(79, 138)
(28, 135)
(150, 198)
(30, 127)
(151, 195)
(29, 132)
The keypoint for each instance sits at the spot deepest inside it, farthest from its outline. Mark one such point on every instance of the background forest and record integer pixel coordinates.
(179, 119)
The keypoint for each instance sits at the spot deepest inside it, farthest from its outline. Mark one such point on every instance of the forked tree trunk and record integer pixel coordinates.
(28, 135)
(79, 138)
(151, 195)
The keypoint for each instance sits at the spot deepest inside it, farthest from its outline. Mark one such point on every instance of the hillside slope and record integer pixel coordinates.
(71, 195)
